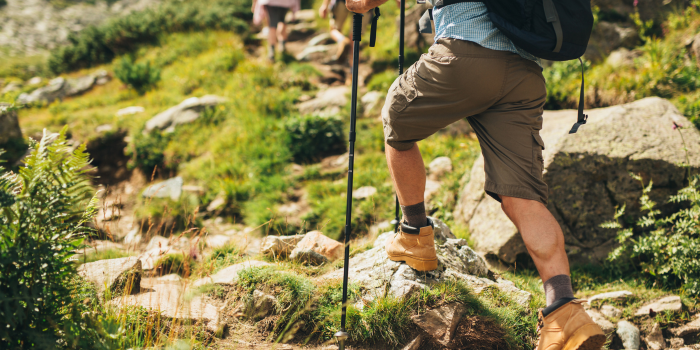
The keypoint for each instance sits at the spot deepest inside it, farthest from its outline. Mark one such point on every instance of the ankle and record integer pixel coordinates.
(415, 215)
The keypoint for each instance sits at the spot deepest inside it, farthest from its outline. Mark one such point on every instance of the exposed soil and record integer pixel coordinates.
(474, 333)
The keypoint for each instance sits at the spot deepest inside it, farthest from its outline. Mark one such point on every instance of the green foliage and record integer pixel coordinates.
(139, 76)
(3, 3)
(147, 151)
(668, 248)
(97, 45)
(45, 208)
(178, 263)
(382, 81)
(311, 138)
(103, 255)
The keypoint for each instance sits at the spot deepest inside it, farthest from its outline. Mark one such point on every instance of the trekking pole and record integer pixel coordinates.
(402, 20)
(342, 335)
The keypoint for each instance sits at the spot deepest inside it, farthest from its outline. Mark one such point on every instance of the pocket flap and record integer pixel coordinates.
(538, 139)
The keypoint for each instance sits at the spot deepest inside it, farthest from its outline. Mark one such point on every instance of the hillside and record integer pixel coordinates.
(203, 152)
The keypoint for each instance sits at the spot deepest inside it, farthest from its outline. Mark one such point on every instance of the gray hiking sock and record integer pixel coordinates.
(283, 46)
(271, 52)
(558, 287)
(415, 215)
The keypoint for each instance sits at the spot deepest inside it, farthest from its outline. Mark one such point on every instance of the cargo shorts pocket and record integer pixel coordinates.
(537, 159)
(405, 91)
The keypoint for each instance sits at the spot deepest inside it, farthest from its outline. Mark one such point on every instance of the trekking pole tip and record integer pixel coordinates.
(341, 335)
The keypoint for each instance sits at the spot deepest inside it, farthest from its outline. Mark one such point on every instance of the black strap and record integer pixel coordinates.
(373, 32)
(553, 17)
(452, 2)
(582, 118)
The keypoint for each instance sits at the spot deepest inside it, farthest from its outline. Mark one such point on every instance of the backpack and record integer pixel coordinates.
(555, 31)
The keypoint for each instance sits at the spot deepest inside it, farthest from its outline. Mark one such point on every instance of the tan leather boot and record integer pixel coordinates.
(569, 328)
(417, 250)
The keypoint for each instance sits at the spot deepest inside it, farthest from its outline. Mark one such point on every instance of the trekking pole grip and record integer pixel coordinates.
(357, 27)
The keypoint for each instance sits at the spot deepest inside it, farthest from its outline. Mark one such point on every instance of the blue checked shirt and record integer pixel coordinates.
(470, 21)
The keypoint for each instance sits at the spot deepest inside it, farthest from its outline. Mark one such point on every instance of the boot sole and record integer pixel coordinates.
(416, 264)
(588, 337)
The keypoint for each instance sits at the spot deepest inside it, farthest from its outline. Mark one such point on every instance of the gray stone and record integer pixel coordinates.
(617, 295)
(432, 188)
(229, 275)
(80, 85)
(279, 246)
(171, 188)
(607, 326)
(301, 16)
(441, 323)
(186, 112)
(323, 38)
(607, 37)
(695, 48)
(676, 343)
(316, 241)
(414, 344)
(56, 89)
(693, 327)
(588, 174)
(669, 303)
(11, 87)
(133, 237)
(217, 204)
(157, 241)
(170, 299)
(364, 192)
(150, 257)
(655, 339)
(308, 256)
(311, 53)
(130, 111)
(456, 261)
(328, 100)
(629, 334)
(611, 312)
(259, 306)
(217, 241)
(439, 167)
(372, 103)
(622, 58)
(118, 276)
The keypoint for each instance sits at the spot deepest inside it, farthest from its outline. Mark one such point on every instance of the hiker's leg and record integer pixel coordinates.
(337, 36)
(408, 172)
(541, 233)
(282, 28)
(272, 36)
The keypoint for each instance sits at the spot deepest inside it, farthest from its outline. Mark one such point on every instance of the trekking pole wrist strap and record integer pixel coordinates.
(373, 31)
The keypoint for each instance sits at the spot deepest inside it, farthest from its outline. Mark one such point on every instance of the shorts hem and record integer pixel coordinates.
(495, 190)
(400, 146)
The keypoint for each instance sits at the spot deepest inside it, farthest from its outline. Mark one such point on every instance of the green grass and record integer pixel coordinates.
(111, 253)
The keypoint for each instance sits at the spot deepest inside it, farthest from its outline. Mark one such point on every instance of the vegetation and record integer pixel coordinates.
(45, 208)
(311, 138)
(139, 76)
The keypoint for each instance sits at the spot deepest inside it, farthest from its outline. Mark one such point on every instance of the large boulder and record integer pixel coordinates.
(607, 37)
(186, 112)
(11, 140)
(376, 274)
(60, 88)
(117, 276)
(328, 102)
(588, 174)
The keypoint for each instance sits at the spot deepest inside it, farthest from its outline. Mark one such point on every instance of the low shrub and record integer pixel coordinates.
(97, 45)
(311, 138)
(146, 152)
(139, 76)
(178, 263)
(45, 208)
(667, 250)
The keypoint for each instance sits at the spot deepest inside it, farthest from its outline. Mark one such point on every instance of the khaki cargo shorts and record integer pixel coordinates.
(501, 94)
(341, 14)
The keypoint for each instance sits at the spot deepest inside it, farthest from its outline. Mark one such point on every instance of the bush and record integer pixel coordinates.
(139, 76)
(97, 45)
(178, 263)
(311, 138)
(3, 3)
(668, 249)
(45, 208)
(147, 151)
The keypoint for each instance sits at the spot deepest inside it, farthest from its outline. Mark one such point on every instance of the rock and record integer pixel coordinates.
(259, 306)
(607, 326)
(441, 323)
(376, 273)
(607, 37)
(328, 101)
(133, 237)
(655, 339)
(301, 16)
(439, 167)
(670, 303)
(80, 85)
(694, 48)
(186, 112)
(55, 90)
(10, 132)
(34, 81)
(130, 111)
(622, 58)
(151, 256)
(431, 189)
(317, 242)
(102, 77)
(308, 256)
(168, 298)
(217, 241)
(118, 276)
(323, 38)
(229, 275)
(676, 343)
(611, 312)
(629, 334)
(279, 246)
(372, 103)
(588, 176)
(313, 53)
(11, 87)
(414, 344)
(364, 192)
(413, 37)
(157, 242)
(618, 295)
(104, 128)
(171, 188)
(692, 327)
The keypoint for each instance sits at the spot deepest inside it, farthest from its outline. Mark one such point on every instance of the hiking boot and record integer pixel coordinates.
(414, 246)
(569, 328)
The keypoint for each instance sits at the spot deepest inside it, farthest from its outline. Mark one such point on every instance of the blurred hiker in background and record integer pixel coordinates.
(274, 11)
(339, 13)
